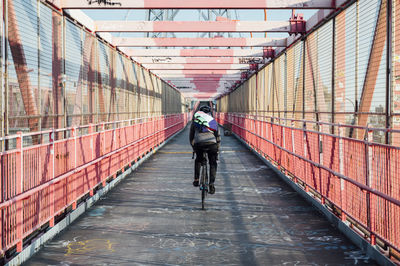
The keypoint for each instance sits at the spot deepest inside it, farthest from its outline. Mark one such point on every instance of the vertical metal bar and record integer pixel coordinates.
(389, 53)
(343, 195)
(315, 82)
(2, 56)
(389, 99)
(19, 187)
(356, 64)
(285, 88)
(52, 137)
(96, 76)
(82, 74)
(256, 95)
(38, 55)
(304, 76)
(6, 122)
(74, 186)
(63, 88)
(333, 74)
(273, 90)
(368, 178)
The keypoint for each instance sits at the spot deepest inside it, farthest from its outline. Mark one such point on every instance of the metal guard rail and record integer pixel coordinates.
(39, 182)
(360, 178)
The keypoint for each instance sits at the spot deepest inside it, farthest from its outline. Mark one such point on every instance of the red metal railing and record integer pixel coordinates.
(39, 181)
(359, 178)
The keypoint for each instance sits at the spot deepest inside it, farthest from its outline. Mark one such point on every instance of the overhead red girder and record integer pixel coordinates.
(194, 4)
(196, 66)
(192, 26)
(249, 53)
(200, 79)
(198, 42)
(198, 60)
(196, 71)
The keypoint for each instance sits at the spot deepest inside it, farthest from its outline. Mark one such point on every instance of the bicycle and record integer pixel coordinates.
(204, 178)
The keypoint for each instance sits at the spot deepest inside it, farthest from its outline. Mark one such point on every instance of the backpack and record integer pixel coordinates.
(204, 122)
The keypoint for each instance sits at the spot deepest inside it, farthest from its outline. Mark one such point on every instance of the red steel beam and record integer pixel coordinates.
(198, 42)
(56, 78)
(198, 60)
(396, 73)
(177, 80)
(192, 26)
(92, 82)
(376, 53)
(209, 75)
(194, 4)
(196, 66)
(196, 72)
(21, 68)
(170, 77)
(87, 63)
(195, 81)
(340, 66)
(248, 53)
(101, 93)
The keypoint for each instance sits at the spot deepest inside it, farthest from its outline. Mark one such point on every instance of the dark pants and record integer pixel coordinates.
(212, 152)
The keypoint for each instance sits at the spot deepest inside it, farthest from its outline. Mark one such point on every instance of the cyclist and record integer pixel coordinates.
(204, 136)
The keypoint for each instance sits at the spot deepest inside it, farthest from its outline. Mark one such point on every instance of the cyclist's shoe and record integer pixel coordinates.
(211, 189)
(196, 183)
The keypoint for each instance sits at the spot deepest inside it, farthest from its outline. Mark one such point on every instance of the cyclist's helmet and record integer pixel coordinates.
(205, 108)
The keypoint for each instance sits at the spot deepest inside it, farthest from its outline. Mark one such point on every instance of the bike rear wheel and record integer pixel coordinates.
(203, 185)
(203, 196)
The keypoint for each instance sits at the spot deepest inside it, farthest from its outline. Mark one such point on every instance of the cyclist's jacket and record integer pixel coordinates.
(204, 130)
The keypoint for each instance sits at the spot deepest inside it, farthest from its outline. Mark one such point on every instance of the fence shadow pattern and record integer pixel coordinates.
(358, 180)
(39, 182)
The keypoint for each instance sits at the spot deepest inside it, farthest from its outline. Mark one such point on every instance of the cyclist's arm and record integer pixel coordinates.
(217, 137)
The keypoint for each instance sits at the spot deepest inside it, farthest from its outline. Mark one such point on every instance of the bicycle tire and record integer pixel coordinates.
(203, 196)
(203, 185)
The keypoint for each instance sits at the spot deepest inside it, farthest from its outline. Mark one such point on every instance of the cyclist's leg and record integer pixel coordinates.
(212, 158)
(197, 164)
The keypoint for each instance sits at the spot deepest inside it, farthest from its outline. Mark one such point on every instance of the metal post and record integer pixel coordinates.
(304, 75)
(368, 180)
(389, 53)
(256, 118)
(6, 124)
(273, 90)
(341, 170)
(73, 192)
(82, 75)
(285, 88)
(38, 55)
(2, 56)
(19, 190)
(355, 116)
(52, 137)
(63, 75)
(333, 74)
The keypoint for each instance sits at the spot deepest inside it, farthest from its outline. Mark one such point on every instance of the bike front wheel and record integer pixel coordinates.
(203, 185)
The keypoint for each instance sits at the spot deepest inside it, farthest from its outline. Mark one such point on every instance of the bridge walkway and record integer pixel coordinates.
(154, 217)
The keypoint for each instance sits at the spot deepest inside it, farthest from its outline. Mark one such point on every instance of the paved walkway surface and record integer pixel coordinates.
(154, 217)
